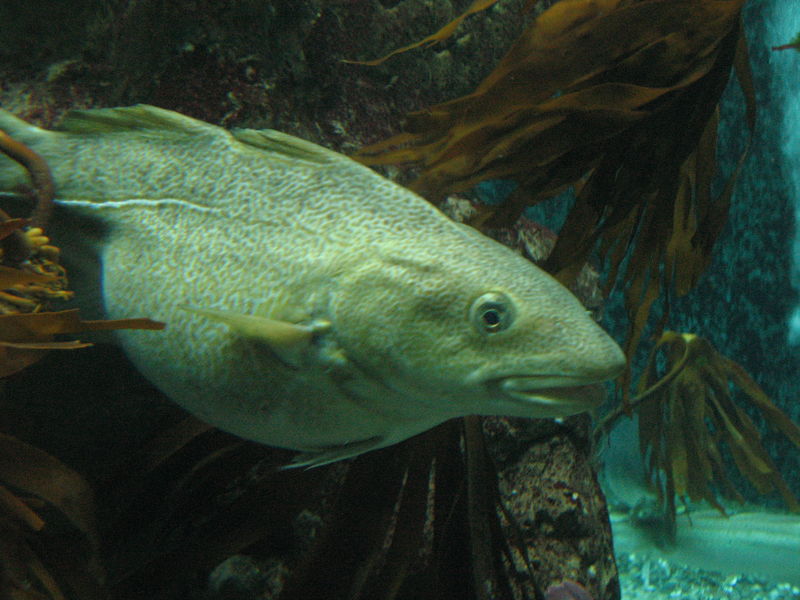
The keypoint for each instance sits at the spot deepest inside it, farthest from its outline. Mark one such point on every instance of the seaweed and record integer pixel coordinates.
(49, 546)
(49, 543)
(413, 520)
(43, 188)
(25, 338)
(31, 278)
(441, 35)
(686, 414)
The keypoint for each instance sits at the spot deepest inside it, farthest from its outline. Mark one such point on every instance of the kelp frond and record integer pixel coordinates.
(444, 33)
(43, 188)
(583, 74)
(687, 413)
(25, 338)
(48, 539)
(31, 278)
(617, 98)
(416, 520)
(49, 546)
(794, 44)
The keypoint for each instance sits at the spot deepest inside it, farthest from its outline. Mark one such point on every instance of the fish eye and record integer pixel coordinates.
(492, 313)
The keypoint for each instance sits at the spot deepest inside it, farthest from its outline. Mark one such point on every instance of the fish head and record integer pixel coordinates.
(475, 329)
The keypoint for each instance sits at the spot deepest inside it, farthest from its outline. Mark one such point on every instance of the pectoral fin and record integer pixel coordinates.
(287, 340)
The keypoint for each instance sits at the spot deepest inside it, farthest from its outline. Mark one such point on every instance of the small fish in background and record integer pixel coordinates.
(310, 303)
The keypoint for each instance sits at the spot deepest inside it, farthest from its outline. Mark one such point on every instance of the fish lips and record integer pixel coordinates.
(553, 395)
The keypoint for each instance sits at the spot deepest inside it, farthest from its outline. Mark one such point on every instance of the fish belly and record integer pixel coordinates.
(160, 257)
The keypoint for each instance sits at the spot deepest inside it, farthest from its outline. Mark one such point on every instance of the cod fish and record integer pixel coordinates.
(310, 303)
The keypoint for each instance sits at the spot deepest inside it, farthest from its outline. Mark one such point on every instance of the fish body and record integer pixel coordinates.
(310, 303)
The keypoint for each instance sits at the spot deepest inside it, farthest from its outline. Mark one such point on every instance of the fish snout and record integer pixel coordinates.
(567, 391)
(607, 362)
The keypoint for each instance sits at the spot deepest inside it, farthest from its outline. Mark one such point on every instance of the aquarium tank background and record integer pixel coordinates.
(747, 305)
(188, 512)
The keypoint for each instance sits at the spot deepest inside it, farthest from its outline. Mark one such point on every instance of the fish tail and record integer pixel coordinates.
(12, 174)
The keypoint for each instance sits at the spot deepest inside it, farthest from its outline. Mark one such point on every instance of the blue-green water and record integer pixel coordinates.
(747, 305)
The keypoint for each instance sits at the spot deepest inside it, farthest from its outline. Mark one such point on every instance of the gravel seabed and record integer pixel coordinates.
(644, 577)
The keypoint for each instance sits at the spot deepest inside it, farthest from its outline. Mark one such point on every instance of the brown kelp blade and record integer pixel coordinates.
(10, 277)
(48, 536)
(580, 67)
(686, 416)
(35, 472)
(444, 33)
(41, 178)
(397, 523)
(793, 45)
(8, 226)
(25, 337)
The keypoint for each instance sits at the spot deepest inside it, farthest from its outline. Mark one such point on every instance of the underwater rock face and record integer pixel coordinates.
(551, 489)
(256, 64)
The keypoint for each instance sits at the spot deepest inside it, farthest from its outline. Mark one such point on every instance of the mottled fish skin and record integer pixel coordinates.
(394, 317)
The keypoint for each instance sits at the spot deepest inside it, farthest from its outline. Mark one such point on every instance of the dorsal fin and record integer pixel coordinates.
(286, 145)
(139, 116)
(144, 116)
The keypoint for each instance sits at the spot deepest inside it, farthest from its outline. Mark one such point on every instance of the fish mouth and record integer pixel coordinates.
(565, 395)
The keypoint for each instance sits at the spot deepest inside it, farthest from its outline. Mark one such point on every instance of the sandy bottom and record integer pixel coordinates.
(648, 578)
